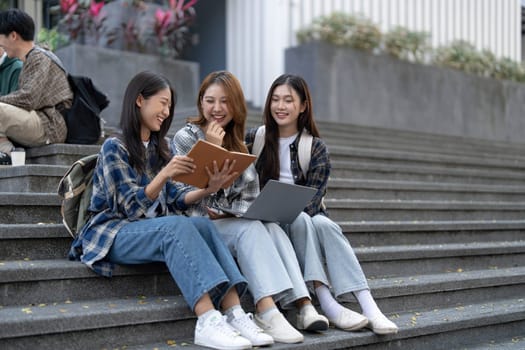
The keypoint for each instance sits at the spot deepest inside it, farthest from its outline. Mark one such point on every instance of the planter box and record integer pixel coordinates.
(111, 70)
(358, 88)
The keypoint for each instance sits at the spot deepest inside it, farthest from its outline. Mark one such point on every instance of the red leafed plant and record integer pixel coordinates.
(152, 26)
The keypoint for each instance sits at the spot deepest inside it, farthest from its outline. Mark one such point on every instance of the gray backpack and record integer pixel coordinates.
(75, 189)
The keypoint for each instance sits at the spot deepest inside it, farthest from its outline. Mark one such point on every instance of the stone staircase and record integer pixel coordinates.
(437, 222)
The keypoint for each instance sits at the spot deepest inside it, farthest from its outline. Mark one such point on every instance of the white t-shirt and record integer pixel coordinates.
(2, 58)
(285, 174)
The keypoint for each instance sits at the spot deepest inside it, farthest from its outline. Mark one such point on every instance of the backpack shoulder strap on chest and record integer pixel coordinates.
(258, 142)
(305, 150)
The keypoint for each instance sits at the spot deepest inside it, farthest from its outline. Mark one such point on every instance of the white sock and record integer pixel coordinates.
(267, 315)
(203, 317)
(367, 303)
(331, 308)
(233, 312)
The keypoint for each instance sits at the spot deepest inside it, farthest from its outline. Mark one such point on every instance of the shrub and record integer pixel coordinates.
(153, 26)
(406, 44)
(342, 30)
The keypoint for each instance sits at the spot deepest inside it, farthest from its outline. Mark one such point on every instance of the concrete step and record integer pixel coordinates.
(434, 327)
(512, 341)
(33, 241)
(45, 178)
(419, 190)
(59, 153)
(52, 241)
(61, 280)
(486, 151)
(440, 290)
(29, 208)
(391, 157)
(396, 260)
(386, 233)
(95, 324)
(429, 173)
(422, 210)
(31, 178)
(151, 323)
(347, 133)
(416, 139)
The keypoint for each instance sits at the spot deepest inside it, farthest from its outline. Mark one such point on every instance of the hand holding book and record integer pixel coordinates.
(204, 154)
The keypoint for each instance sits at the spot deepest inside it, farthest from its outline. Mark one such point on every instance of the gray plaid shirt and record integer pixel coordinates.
(238, 196)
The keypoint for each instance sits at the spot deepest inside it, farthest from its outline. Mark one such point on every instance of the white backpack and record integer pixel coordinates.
(304, 150)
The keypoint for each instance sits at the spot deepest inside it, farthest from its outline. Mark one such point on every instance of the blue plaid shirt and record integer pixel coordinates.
(239, 196)
(119, 198)
(318, 171)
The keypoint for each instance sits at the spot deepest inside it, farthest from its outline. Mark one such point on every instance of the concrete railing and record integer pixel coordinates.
(356, 87)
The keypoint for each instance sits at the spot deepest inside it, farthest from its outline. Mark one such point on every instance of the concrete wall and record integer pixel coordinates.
(111, 71)
(355, 87)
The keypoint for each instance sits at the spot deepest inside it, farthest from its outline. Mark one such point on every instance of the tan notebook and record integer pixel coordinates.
(203, 154)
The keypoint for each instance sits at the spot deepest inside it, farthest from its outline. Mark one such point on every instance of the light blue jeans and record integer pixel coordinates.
(192, 249)
(266, 258)
(325, 255)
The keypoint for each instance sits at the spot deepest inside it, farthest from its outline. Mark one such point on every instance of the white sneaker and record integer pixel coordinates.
(349, 320)
(245, 325)
(216, 333)
(382, 325)
(280, 329)
(309, 319)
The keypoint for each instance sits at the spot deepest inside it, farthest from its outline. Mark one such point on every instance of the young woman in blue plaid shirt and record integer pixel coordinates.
(133, 205)
(318, 241)
(264, 252)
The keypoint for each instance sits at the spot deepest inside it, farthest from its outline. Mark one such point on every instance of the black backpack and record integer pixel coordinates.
(84, 125)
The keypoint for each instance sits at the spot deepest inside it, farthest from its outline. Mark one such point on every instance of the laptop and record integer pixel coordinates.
(278, 202)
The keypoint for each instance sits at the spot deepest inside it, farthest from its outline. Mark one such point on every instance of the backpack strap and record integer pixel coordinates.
(258, 142)
(305, 150)
(51, 56)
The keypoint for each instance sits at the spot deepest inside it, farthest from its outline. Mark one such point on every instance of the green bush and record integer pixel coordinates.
(51, 38)
(343, 29)
(407, 45)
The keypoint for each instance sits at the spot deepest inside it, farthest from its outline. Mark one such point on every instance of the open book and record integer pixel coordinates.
(203, 154)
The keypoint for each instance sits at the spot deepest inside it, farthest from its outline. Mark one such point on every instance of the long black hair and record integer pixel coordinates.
(145, 84)
(269, 165)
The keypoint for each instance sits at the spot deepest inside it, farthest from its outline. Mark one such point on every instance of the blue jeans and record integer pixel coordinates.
(266, 257)
(192, 249)
(325, 255)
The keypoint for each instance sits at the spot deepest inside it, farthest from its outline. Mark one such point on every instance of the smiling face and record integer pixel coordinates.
(285, 107)
(153, 110)
(214, 105)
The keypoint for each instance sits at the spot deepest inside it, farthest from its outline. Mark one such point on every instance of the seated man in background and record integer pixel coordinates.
(9, 72)
(31, 115)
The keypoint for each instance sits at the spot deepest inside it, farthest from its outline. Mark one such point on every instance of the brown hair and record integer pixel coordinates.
(234, 131)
